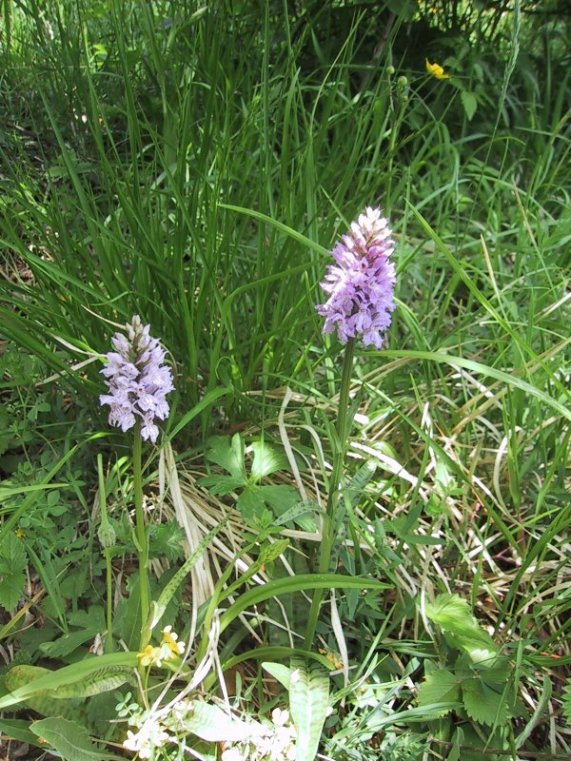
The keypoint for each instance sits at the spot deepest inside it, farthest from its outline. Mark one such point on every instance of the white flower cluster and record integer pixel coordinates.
(277, 744)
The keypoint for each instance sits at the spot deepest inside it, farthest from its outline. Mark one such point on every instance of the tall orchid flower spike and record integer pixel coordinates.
(360, 285)
(137, 380)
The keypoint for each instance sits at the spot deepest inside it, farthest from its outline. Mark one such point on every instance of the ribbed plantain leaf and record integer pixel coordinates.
(309, 701)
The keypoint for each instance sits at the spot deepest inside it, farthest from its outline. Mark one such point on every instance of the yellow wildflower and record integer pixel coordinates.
(169, 649)
(170, 643)
(436, 70)
(20, 533)
(150, 655)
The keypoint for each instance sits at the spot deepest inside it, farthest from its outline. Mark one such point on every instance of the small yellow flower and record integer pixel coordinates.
(150, 655)
(170, 642)
(333, 659)
(436, 70)
(168, 650)
(20, 533)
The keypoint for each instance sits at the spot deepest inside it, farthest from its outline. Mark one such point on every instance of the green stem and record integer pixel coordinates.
(339, 450)
(107, 539)
(109, 601)
(141, 532)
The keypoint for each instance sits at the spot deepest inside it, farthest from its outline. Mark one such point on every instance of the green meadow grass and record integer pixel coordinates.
(196, 168)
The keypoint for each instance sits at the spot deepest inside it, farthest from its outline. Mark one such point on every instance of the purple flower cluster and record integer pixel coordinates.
(360, 286)
(137, 380)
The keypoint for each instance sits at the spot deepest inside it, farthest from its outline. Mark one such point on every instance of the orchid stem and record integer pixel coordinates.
(141, 532)
(328, 523)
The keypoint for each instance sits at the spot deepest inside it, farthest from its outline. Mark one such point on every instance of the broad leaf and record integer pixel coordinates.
(278, 671)
(67, 643)
(280, 497)
(483, 703)
(11, 589)
(12, 555)
(309, 702)
(461, 629)
(229, 454)
(469, 103)
(440, 691)
(219, 485)
(70, 739)
(17, 729)
(66, 676)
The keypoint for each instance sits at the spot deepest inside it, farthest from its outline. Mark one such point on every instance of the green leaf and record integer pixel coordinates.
(68, 643)
(302, 514)
(68, 675)
(219, 485)
(566, 703)
(41, 701)
(280, 497)
(272, 551)
(229, 455)
(266, 460)
(278, 671)
(440, 692)
(469, 102)
(207, 401)
(482, 703)
(69, 739)
(251, 505)
(12, 589)
(103, 680)
(13, 557)
(309, 701)
(159, 607)
(292, 584)
(460, 628)
(17, 729)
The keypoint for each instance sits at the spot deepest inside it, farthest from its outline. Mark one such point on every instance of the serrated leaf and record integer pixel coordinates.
(440, 691)
(266, 460)
(219, 485)
(229, 454)
(11, 589)
(461, 629)
(250, 505)
(309, 701)
(12, 555)
(280, 497)
(94, 617)
(482, 703)
(70, 739)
